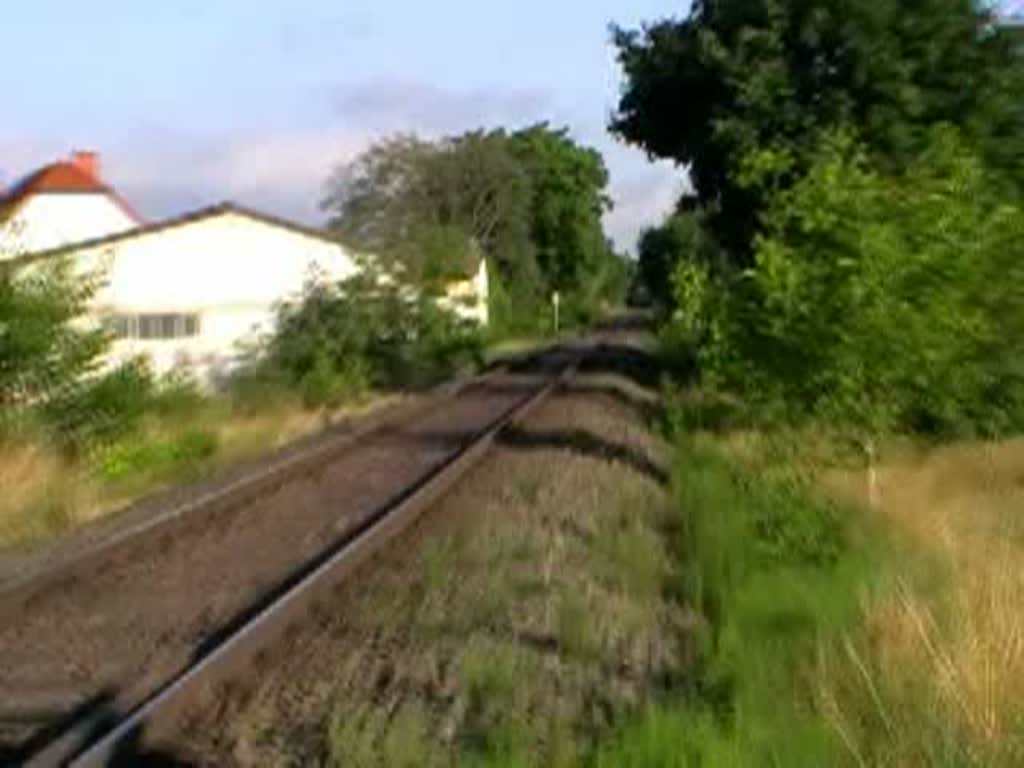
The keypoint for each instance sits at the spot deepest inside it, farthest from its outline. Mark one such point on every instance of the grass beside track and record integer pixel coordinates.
(595, 595)
(47, 495)
(835, 635)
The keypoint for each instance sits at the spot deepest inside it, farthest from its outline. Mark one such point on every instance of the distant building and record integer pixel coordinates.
(62, 203)
(189, 292)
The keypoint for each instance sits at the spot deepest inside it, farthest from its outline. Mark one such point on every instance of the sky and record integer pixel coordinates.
(190, 102)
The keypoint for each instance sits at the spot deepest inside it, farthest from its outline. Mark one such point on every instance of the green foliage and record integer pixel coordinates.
(178, 455)
(567, 185)
(177, 396)
(42, 347)
(97, 410)
(739, 77)
(50, 357)
(682, 238)
(368, 331)
(422, 205)
(875, 302)
(259, 386)
(492, 735)
(514, 306)
(328, 384)
(529, 202)
(739, 525)
(772, 569)
(574, 627)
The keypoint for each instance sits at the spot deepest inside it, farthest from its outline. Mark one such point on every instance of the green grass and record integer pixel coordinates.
(830, 635)
(147, 458)
(776, 573)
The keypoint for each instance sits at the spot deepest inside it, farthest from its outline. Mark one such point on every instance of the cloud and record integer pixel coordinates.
(282, 170)
(643, 194)
(390, 106)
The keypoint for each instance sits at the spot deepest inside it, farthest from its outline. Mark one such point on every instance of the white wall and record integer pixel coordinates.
(49, 220)
(230, 269)
(469, 298)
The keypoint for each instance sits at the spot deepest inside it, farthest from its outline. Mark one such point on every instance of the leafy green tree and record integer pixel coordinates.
(568, 199)
(44, 347)
(682, 237)
(875, 301)
(430, 207)
(530, 202)
(739, 76)
(51, 359)
(369, 330)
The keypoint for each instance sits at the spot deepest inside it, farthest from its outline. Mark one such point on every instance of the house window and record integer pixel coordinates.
(154, 326)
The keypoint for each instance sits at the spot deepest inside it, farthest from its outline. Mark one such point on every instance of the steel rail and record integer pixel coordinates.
(96, 742)
(264, 474)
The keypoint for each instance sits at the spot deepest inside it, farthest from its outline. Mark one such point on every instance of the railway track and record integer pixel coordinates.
(102, 653)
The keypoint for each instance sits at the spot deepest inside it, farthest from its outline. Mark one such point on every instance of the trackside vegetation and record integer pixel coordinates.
(830, 634)
(841, 296)
(530, 202)
(815, 554)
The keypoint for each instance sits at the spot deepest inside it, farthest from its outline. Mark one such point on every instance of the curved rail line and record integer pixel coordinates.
(97, 741)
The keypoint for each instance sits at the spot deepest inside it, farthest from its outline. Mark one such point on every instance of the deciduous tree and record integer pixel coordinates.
(739, 76)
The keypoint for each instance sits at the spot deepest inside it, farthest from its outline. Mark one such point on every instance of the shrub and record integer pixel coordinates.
(328, 386)
(875, 302)
(177, 396)
(44, 348)
(100, 409)
(776, 578)
(182, 454)
(259, 386)
(368, 331)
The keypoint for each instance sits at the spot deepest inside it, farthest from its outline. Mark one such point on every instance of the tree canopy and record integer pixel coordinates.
(404, 197)
(531, 202)
(739, 84)
(853, 254)
(876, 301)
(567, 185)
(42, 349)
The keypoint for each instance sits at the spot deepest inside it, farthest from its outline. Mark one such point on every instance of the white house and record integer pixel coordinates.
(62, 203)
(187, 292)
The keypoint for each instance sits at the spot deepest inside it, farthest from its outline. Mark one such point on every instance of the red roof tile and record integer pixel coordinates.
(57, 177)
(60, 177)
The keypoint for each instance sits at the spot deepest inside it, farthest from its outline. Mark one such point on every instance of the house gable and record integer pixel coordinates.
(61, 203)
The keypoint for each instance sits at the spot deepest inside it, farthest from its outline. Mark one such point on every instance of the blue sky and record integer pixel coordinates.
(193, 101)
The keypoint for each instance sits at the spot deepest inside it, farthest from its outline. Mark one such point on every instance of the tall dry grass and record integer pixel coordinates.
(43, 495)
(942, 668)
